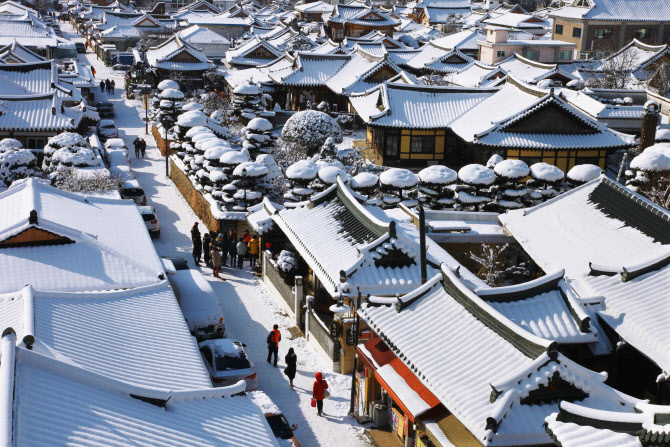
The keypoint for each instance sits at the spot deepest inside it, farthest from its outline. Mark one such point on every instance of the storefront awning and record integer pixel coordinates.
(397, 379)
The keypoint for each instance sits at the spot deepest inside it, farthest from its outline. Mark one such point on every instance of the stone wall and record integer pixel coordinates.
(200, 206)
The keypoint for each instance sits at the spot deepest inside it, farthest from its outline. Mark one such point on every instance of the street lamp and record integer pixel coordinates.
(356, 302)
(244, 186)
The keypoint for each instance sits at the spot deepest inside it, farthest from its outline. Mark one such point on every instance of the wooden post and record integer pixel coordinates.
(650, 116)
(422, 243)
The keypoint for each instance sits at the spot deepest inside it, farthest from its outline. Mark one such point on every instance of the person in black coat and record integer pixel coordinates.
(291, 361)
(206, 249)
(197, 243)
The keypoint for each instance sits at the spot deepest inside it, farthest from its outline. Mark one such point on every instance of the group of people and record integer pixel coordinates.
(108, 85)
(320, 387)
(140, 147)
(222, 248)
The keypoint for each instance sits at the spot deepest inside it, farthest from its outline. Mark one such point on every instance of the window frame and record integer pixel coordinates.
(42, 141)
(558, 55)
(558, 29)
(528, 53)
(500, 51)
(577, 32)
(395, 137)
(424, 139)
(598, 33)
(636, 36)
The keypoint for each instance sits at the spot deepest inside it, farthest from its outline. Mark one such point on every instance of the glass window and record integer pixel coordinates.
(564, 55)
(501, 53)
(392, 144)
(576, 32)
(559, 29)
(533, 55)
(642, 33)
(603, 33)
(35, 142)
(422, 144)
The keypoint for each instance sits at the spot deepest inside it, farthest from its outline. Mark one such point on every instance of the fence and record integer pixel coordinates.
(277, 281)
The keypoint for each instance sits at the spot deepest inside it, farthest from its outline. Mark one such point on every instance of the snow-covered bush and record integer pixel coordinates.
(397, 185)
(649, 174)
(247, 101)
(258, 138)
(74, 180)
(15, 162)
(66, 139)
(310, 129)
(433, 182)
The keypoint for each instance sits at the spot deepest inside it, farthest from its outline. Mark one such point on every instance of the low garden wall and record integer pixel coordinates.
(200, 206)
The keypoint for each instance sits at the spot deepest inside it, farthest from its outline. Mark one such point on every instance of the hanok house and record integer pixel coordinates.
(355, 20)
(608, 25)
(313, 11)
(409, 125)
(349, 248)
(613, 244)
(255, 51)
(495, 381)
(177, 58)
(534, 125)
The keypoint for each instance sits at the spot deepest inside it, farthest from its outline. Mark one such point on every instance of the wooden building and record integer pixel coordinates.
(355, 20)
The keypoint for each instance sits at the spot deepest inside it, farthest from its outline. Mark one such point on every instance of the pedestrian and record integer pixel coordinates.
(92, 69)
(143, 147)
(319, 392)
(232, 251)
(206, 250)
(137, 143)
(291, 363)
(197, 243)
(274, 337)
(223, 248)
(241, 253)
(113, 85)
(216, 261)
(108, 86)
(102, 86)
(253, 245)
(246, 236)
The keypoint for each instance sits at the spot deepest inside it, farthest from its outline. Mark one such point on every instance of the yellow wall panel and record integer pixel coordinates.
(422, 156)
(423, 132)
(513, 153)
(404, 144)
(439, 145)
(562, 164)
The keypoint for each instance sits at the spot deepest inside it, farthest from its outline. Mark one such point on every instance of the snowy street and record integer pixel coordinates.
(249, 309)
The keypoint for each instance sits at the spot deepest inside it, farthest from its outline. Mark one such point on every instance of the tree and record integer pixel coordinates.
(69, 179)
(613, 72)
(660, 80)
(214, 80)
(310, 129)
(452, 24)
(491, 265)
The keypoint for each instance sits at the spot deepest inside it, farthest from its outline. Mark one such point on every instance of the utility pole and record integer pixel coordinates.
(422, 243)
(356, 302)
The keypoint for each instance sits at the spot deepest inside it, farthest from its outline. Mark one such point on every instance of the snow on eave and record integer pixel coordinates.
(484, 292)
(353, 198)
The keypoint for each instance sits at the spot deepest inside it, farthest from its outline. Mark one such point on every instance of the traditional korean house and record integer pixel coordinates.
(439, 17)
(464, 41)
(355, 20)
(495, 381)
(124, 36)
(518, 19)
(434, 59)
(409, 125)
(613, 245)
(15, 53)
(212, 44)
(255, 51)
(314, 11)
(178, 57)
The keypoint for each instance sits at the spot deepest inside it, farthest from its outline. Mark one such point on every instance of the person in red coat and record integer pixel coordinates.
(318, 392)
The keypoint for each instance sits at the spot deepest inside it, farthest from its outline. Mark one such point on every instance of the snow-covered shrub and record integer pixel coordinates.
(649, 174)
(397, 185)
(16, 163)
(258, 138)
(74, 180)
(581, 174)
(247, 101)
(310, 129)
(433, 182)
(65, 139)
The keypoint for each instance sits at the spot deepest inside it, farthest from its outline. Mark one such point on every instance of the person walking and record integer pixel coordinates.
(274, 337)
(241, 252)
(108, 85)
(197, 243)
(216, 260)
(319, 392)
(232, 251)
(137, 143)
(206, 249)
(246, 236)
(112, 84)
(143, 147)
(291, 365)
(92, 70)
(253, 245)
(102, 86)
(223, 248)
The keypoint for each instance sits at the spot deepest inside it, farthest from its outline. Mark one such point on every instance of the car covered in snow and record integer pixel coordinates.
(150, 220)
(131, 189)
(172, 264)
(105, 108)
(107, 129)
(198, 302)
(280, 426)
(227, 363)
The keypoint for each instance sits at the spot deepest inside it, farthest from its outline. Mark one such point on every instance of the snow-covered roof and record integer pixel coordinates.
(362, 72)
(499, 121)
(105, 243)
(177, 55)
(434, 58)
(37, 113)
(517, 21)
(16, 53)
(617, 10)
(355, 245)
(33, 78)
(437, 15)
(484, 369)
(197, 35)
(416, 106)
(464, 40)
(315, 7)
(309, 69)
(30, 33)
(56, 403)
(255, 51)
(358, 14)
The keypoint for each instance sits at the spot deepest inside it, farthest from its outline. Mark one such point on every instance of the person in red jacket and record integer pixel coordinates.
(318, 392)
(274, 337)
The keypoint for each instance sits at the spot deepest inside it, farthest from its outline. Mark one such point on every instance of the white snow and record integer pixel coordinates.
(438, 175)
(470, 199)
(67, 139)
(546, 172)
(661, 148)
(10, 143)
(651, 162)
(192, 119)
(364, 180)
(302, 170)
(252, 168)
(264, 402)
(511, 169)
(234, 157)
(172, 93)
(192, 106)
(415, 404)
(247, 89)
(398, 178)
(260, 125)
(475, 174)
(329, 174)
(167, 84)
(494, 160)
(584, 173)
(197, 130)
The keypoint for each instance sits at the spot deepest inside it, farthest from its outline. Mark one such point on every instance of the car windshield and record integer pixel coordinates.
(225, 363)
(148, 217)
(109, 126)
(279, 426)
(132, 192)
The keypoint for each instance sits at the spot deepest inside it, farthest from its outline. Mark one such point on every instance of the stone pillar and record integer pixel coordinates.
(650, 117)
(310, 302)
(298, 293)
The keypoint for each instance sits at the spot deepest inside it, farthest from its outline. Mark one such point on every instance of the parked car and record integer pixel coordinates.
(150, 220)
(227, 363)
(107, 129)
(121, 67)
(199, 304)
(277, 421)
(172, 264)
(105, 108)
(81, 48)
(131, 189)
